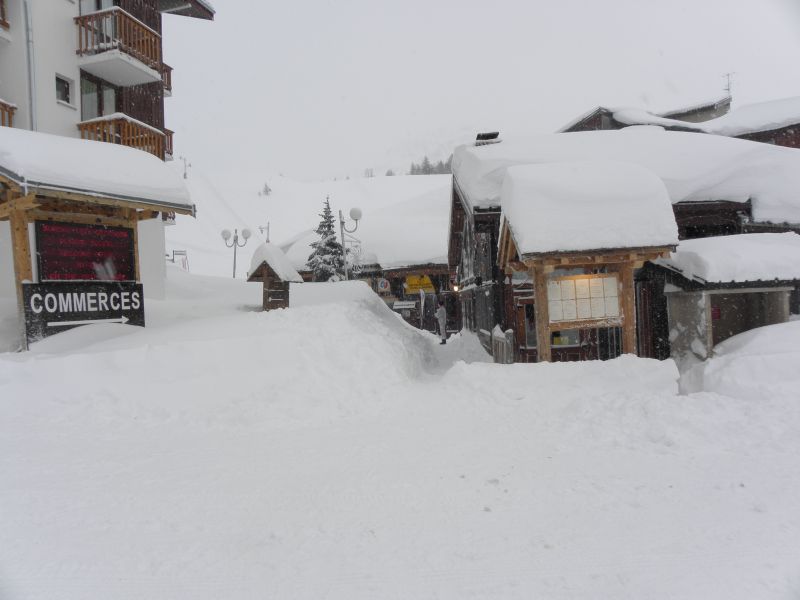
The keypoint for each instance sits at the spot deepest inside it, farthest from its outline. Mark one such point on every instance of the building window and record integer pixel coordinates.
(98, 98)
(63, 89)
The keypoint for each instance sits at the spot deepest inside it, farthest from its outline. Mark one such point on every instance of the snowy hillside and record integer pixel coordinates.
(290, 208)
(331, 451)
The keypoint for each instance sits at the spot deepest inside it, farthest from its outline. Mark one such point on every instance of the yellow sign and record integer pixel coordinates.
(415, 283)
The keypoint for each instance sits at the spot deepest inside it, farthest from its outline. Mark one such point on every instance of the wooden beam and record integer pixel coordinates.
(20, 203)
(89, 199)
(23, 269)
(147, 214)
(628, 302)
(542, 313)
(133, 223)
(85, 219)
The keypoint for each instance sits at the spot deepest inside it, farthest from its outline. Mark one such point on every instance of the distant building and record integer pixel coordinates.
(772, 122)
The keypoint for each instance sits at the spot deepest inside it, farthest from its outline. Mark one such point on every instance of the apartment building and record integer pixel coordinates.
(94, 69)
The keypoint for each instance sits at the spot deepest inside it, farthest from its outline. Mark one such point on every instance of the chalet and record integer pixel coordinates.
(716, 186)
(772, 122)
(98, 73)
(718, 287)
(579, 231)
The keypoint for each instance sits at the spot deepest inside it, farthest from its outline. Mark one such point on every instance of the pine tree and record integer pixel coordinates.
(265, 191)
(389, 173)
(326, 261)
(426, 168)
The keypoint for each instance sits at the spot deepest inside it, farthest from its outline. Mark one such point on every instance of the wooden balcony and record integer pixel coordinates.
(166, 77)
(121, 129)
(7, 111)
(119, 48)
(4, 24)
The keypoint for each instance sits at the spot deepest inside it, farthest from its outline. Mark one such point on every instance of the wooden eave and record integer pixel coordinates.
(186, 8)
(509, 258)
(87, 197)
(424, 269)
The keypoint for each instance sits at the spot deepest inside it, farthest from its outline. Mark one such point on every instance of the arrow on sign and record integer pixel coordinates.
(122, 320)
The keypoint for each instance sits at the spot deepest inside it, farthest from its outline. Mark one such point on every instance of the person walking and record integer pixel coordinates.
(441, 317)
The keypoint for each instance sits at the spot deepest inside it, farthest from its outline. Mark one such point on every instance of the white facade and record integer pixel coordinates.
(48, 45)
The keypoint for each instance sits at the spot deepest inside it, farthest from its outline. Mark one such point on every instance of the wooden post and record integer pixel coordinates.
(133, 219)
(628, 309)
(542, 310)
(23, 271)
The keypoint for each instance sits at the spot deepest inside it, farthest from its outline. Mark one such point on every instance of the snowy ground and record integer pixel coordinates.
(331, 451)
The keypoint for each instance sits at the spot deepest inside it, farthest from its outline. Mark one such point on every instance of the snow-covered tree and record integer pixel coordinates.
(389, 173)
(326, 260)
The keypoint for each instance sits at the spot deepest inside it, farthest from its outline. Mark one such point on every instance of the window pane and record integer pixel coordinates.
(89, 100)
(567, 337)
(530, 326)
(62, 89)
(109, 100)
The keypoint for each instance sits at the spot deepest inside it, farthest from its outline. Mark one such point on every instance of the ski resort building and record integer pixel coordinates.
(517, 228)
(94, 70)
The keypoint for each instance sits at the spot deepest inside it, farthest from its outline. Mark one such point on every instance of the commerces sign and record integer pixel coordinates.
(57, 306)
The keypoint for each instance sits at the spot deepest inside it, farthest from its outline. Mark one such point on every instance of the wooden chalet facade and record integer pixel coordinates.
(499, 288)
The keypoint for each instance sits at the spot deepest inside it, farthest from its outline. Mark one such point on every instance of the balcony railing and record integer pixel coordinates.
(166, 77)
(115, 29)
(121, 129)
(168, 148)
(3, 16)
(7, 114)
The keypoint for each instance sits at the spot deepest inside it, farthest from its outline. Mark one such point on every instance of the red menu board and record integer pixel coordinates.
(71, 251)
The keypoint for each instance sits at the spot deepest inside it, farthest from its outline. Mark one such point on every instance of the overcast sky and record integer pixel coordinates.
(321, 89)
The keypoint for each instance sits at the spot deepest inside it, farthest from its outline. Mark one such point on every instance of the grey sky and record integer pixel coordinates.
(317, 89)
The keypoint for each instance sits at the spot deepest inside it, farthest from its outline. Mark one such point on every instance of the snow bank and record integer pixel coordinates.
(586, 205)
(312, 294)
(759, 365)
(111, 170)
(694, 167)
(738, 258)
(273, 256)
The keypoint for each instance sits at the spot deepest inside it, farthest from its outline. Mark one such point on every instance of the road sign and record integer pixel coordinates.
(55, 306)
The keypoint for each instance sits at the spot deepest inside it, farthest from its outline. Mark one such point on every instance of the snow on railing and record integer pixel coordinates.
(116, 29)
(119, 128)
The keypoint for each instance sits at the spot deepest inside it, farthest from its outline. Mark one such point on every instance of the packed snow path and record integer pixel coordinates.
(330, 451)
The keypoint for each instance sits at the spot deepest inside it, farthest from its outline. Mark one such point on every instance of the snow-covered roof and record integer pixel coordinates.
(273, 256)
(738, 258)
(694, 167)
(50, 162)
(405, 233)
(586, 206)
(751, 118)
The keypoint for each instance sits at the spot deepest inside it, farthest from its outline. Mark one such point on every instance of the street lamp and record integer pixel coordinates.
(226, 235)
(355, 214)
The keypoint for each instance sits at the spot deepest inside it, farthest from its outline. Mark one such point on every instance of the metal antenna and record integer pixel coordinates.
(728, 81)
(186, 165)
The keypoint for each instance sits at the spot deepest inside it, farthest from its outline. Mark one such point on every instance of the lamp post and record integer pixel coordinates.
(355, 214)
(226, 235)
